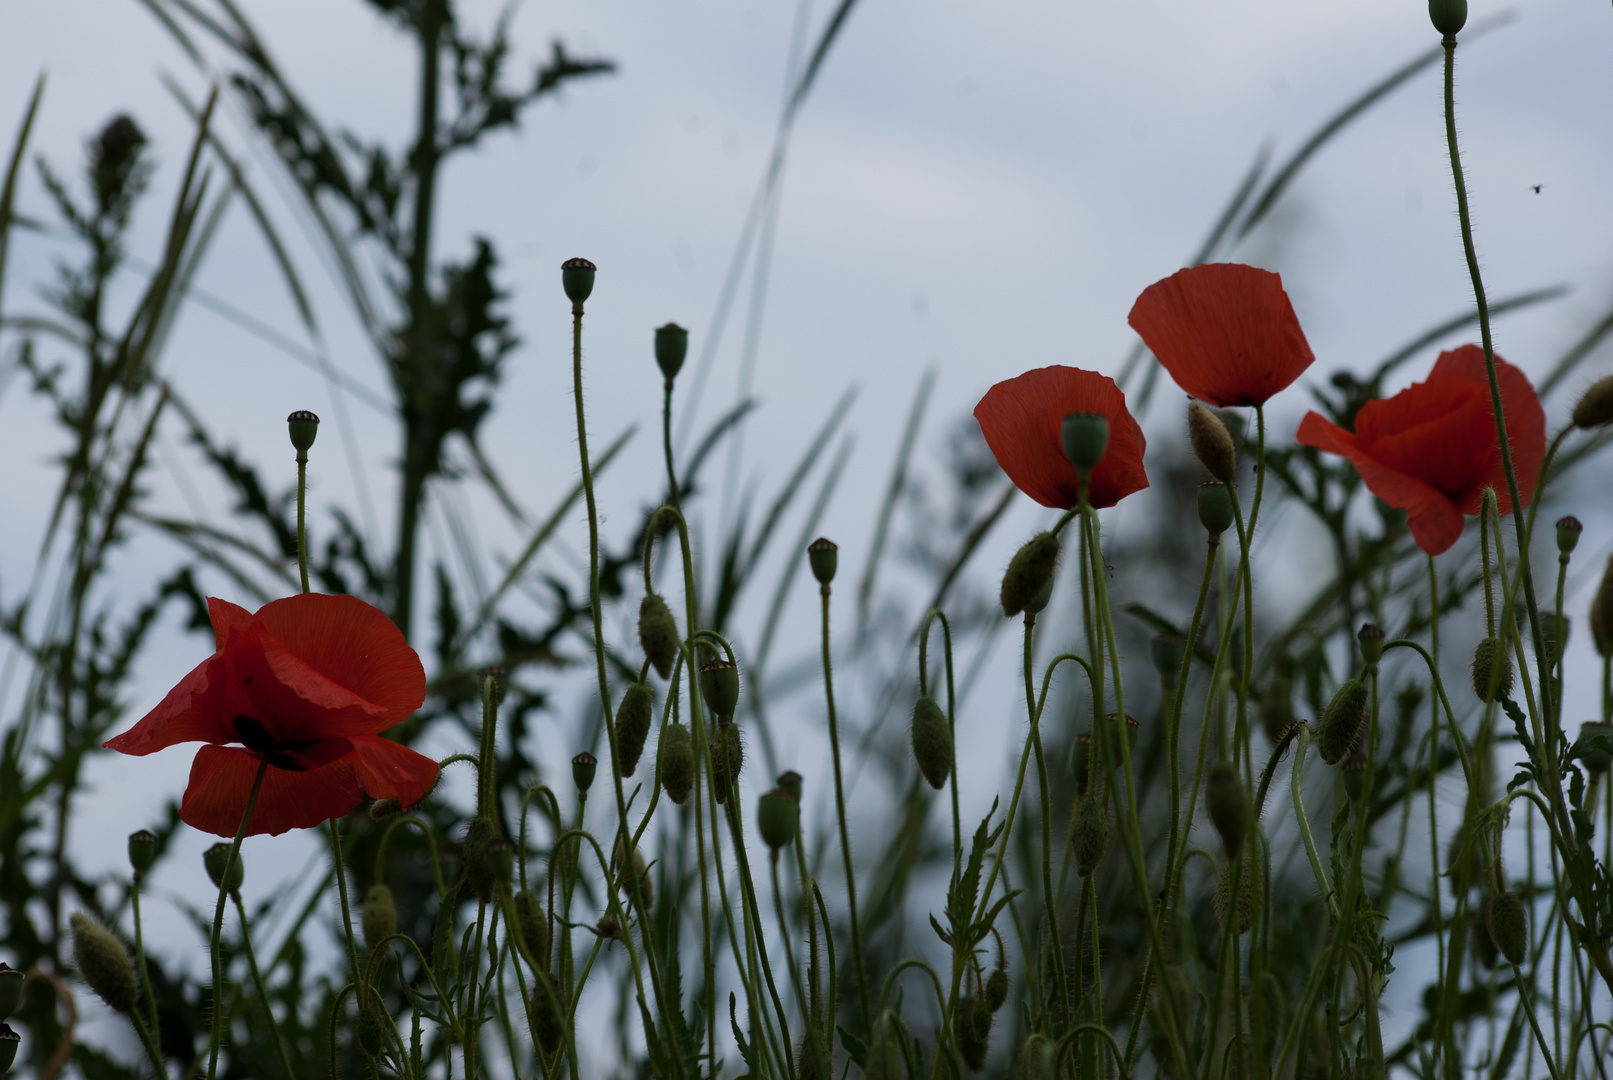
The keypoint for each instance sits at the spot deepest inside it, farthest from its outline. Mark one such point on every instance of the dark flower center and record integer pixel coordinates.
(256, 738)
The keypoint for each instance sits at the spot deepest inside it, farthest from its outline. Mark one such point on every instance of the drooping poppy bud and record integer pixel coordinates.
(1448, 16)
(1086, 439)
(501, 856)
(1602, 613)
(372, 1027)
(1277, 708)
(1039, 1058)
(104, 963)
(1341, 720)
(996, 989)
(548, 1014)
(633, 718)
(671, 346)
(677, 763)
(1595, 406)
(658, 634)
(1484, 950)
(823, 555)
(1029, 572)
(778, 817)
(1508, 923)
(386, 809)
(971, 1022)
(789, 782)
(532, 925)
(11, 981)
(1593, 748)
(1215, 507)
(1491, 670)
(1089, 834)
(216, 858)
(1568, 530)
(476, 860)
(304, 429)
(637, 885)
(142, 853)
(1212, 442)
(378, 915)
(932, 741)
(727, 758)
(1228, 806)
(1251, 892)
(719, 687)
(577, 278)
(583, 769)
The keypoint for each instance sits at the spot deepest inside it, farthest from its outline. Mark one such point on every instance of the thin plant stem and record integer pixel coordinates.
(140, 959)
(302, 517)
(1049, 898)
(263, 990)
(216, 1035)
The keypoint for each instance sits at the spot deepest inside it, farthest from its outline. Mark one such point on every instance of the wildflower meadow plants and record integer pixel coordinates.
(1217, 832)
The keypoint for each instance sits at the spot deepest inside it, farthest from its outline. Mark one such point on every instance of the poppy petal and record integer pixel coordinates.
(1226, 332)
(388, 769)
(221, 779)
(189, 712)
(1526, 425)
(293, 701)
(227, 618)
(353, 645)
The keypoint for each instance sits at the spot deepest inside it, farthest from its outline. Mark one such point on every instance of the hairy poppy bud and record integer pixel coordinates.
(971, 1023)
(477, 860)
(1594, 748)
(10, 989)
(577, 278)
(378, 915)
(304, 428)
(1354, 767)
(215, 858)
(548, 1015)
(1508, 923)
(142, 853)
(1212, 442)
(1215, 507)
(1484, 950)
(104, 963)
(1039, 1058)
(501, 856)
(932, 741)
(386, 809)
(886, 1061)
(1251, 891)
(1277, 708)
(996, 989)
(1029, 572)
(1167, 651)
(583, 769)
(1089, 835)
(645, 884)
(1568, 530)
(671, 346)
(812, 1061)
(1086, 438)
(1602, 613)
(1448, 16)
(1595, 407)
(1228, 806)
(10, 1041)
(719, 687)
(657, 634)
(727, 758)
(677, 763)
(823, 555)
(532, 925)
(1341, 721)
(777, 818)
(789, 782)
(371, 1027)
(1491, 670)
(1370, 636)
(633, 718)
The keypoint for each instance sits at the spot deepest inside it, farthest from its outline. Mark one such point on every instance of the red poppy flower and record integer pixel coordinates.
(1226, 332)
(1023, 420)
(1432, 449)
(307, 684)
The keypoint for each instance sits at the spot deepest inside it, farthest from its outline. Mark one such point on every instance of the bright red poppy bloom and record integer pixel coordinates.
(1226, 332)
(306, 684)
(1432, 449)
(1023, 421)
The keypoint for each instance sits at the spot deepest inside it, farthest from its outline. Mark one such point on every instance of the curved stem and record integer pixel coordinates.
(840, 816)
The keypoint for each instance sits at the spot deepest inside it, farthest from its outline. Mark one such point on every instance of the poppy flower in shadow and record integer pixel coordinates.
(306, 685)
(1023, 418)
(1432, 449)
(1226, 332)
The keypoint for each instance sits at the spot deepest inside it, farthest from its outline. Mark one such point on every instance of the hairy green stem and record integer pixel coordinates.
(216, 1033)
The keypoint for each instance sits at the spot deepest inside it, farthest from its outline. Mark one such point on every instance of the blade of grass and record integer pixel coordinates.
(1500, 307)
(791, 486)
(893, 492)
(8, 193)
(971, 542)
(1581, 349)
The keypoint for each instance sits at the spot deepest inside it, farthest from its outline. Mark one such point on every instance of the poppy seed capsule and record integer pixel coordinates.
(789, 783)
(11, 981)
(304, 428)
(1167, 651)
(1595, 407)
(1568, 530)
(1341, 721)
(378, 915)
(719, 687)
(932, 741)
(1228, 806)
(104, 963)
(1029, 572)
(1215, 507)
(1448, 16)
(996, 989)
(1212, 442)
(476, 860)
(583, 768)
(633, 718)
(671, 346)
(823, 555)
(1089, 835)
(1491, 670)
(657, 634)
(1508, 923)
(216, 858)
(677, 763)
(533, 926)
(1086, 439)
(777, 818)
(727, 758)
(1370, 637)
(9, 1043)
(142, 853)
(577, 278)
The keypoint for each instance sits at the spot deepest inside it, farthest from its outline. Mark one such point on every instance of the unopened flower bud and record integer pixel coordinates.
(104, 963)
(1167, 651)
(1595, 407)
(1602, 613)
(1508, 923)
(1448, 16)
(1029, 572)
(671, 346)
(1341, 721)
(583, 768)
(577, 278)
(1491, 670)
(633, 718)
(789, 782)
(1039, 1058)
(477, 860)
(386, 809)
(823, 555)
(1089, 834)
(548, 1014)
(932, 741)
(1568, 530)
(216, 858)
(1086, 438)
(1371, 638)
(658, 634)
(1277, 708)
(996, 989)
(1228, 806)
(378, 915)
(1215, 507)
(719, 687)
(638, 885)
(304, 428)
(778, 817)
(532, 925)
(371, 1027)
(727, 758)
(11, 981)
(142, 853)
(1251, 891)
(1593, 748)
(1212, 442)
(677, 763)
(1484, 950)
(501, 856)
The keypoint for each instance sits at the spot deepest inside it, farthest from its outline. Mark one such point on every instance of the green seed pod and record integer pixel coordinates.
(1448, 16)
(633, 718)
(1508, 923)
(1277, 708)
(727, 758)
(386, 809)
(477, 860)
(671, 346)
(1028, 572)
(1167, 651)
(1341, 720)
(1491, 670)
(378, 915)
(11, 981)
(677, 763)
(1038, 1058)
(1595, 407)
(789, 782)
(548, 1015)
(1215, 507)
(996, 989)
(1484, 950)
(932, 741)
(372, 1028)
(1593, 748)
(1228, 806)
(1568, 530)
(778, 818)
(1212, 442)
(104, 964)
(583, 769)
(577, 278)
(719, 687)
(812, 1061)
(142, 853)
(532, 924)
(658, 634)
(304, 428)
(1086, 439)
(823, 555)
(10, 1041)
(1370, 637)
(1089, 834)
(215, 858)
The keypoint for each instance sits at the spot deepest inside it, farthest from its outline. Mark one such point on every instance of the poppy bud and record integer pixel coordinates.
(1228, 806)
(727, 758)
(1548, 634)
(1568, 530)
(790, 784)
(641, 875)
(886, 1061)
(493, 681)
(1491, 670)
(1029, 571)
(1212, 442)
(1448, 16)
(1277, 708)
(1251, 889)
(1086, 437)
(583, 768)
(1602, 613)
(657, 634)
(1089, 835)
(215, 858)
(823, 555)
(548, 1015)
(777, 818)
(477, 860)
(677, 763)
(371, 1028)
(104, 963)
(386, 809)
(1039, 602)
(378, 915)
(1215, 507)
(1354, 768)
(671, 346)
(501, 856)
(1167, 651)
(1371, 638)
(1484, 950)
(932, 741)
(1038, 1058)
(996, 989)
(1341, 720)
(304, 428)
(142, 853)
(966, 1023)
(1594, 749)
(533, 926)
(577, 278)
(812, 1061)
(9, 1042)
(10, 989)
(633, 718)
(719, 687)
(1508, 923)
(1595, 408)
